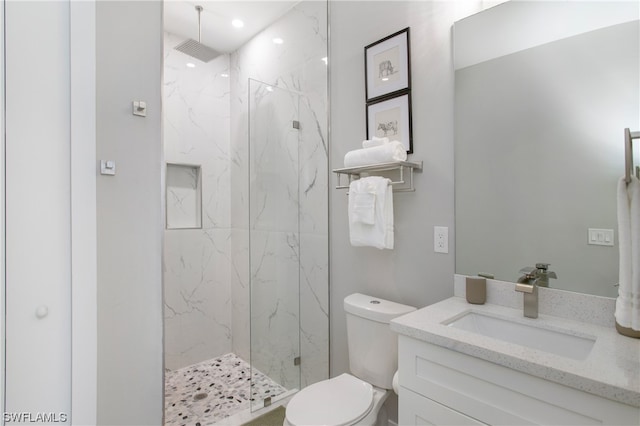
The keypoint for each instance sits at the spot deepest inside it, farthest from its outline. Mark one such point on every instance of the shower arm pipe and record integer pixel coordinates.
(628, 154)
(199, 9)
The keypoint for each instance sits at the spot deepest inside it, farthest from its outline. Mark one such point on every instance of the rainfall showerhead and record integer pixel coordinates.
(196, 49)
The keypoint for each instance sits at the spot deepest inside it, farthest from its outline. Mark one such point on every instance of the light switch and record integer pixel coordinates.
(107, 167)
(140, 108)
(601, 237)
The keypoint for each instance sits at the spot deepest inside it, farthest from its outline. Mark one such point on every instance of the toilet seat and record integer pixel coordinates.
(340, 401)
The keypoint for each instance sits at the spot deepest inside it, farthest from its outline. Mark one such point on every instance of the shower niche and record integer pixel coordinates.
(183, 196)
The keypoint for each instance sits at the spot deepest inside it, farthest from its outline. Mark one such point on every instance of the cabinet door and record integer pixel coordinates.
(414, 409)
(498, 395)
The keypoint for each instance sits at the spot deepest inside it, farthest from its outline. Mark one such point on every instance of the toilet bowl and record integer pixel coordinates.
(357, 398)
(343, 400)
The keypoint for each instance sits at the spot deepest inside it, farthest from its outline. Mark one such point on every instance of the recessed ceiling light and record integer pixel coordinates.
(191, 65)
(269, 89)
(224, 74)
(385, 78)
(237, 23)
(278, 40)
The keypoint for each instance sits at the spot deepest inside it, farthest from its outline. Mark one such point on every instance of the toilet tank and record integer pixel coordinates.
(373, 347)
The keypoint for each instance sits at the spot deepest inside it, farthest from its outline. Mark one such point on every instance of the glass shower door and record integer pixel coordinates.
(274, 241)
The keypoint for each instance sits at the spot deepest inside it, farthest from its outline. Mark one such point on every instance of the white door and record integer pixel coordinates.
(38, 211)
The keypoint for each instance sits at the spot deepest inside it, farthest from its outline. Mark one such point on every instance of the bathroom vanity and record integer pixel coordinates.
(487, 364)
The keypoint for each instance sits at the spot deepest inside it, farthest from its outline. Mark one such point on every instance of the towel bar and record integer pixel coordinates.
(628, 154)
(354, 173)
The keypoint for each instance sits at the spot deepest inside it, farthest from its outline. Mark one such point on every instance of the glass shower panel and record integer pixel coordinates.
(274, 241)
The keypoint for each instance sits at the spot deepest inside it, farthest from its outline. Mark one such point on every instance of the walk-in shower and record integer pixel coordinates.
(246, 242)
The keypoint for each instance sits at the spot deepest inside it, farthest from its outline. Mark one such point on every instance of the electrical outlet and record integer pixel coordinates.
(441, 239)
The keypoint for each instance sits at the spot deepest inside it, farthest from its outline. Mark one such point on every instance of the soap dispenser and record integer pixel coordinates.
(476, 290)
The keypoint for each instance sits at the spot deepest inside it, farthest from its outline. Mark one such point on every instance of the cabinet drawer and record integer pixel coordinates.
(499, 395)
(414, 409)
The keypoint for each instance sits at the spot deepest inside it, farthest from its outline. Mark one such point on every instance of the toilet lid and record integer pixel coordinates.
(339, 401)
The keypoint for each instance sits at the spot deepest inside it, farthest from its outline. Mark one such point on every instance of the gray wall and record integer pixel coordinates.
(411, 273)
(129, 214)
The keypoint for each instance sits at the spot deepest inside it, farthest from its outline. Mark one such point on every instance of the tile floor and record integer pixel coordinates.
(207, 392)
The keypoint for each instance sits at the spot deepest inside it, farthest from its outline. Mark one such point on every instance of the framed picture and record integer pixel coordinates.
(391, 118)
(387, 65)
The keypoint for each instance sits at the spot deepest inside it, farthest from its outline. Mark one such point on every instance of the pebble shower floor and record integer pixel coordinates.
(206, 393)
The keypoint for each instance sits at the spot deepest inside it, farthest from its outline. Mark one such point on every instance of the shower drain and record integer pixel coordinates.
(199, 396)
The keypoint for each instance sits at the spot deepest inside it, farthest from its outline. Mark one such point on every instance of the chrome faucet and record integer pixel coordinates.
(528, 284)
(539, 275)
(530, 292)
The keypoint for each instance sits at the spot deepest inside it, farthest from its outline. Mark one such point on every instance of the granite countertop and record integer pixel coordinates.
(611, 370)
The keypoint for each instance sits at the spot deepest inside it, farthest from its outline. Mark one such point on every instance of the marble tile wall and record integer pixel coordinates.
(197, 262)
(288, 195)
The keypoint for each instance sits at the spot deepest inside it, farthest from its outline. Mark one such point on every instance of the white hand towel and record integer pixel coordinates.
(379, 233)
(376, 141)
(628, 302)
(363, 207)
(386, 153)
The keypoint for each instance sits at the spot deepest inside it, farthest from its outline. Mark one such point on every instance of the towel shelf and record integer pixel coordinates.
(354, 173)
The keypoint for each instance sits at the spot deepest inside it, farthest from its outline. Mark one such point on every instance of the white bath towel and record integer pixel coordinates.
(628, 302)
(376, 141)
(385, 153)
(378, 233)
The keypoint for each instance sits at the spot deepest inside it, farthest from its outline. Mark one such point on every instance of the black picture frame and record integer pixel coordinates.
(387, 65)
(391, 117)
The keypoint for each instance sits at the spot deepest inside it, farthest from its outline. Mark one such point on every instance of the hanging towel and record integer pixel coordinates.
(628, 302)
(385, 153)
(371, 212)
(363, 206)
(376, 141)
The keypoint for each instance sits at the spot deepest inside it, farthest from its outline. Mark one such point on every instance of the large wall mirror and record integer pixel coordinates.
(544, 91)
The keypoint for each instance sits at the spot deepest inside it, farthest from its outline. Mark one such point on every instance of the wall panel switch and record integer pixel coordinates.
(600, 237)
(441, 239)
(140, 108)
(107, 167)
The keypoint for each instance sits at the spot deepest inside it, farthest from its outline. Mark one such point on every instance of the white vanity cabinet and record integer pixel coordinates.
(444, 387)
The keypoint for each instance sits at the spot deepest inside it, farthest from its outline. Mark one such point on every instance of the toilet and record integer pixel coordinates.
(356, 398)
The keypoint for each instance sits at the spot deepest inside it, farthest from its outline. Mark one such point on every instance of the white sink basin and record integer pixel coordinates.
(544, 339)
